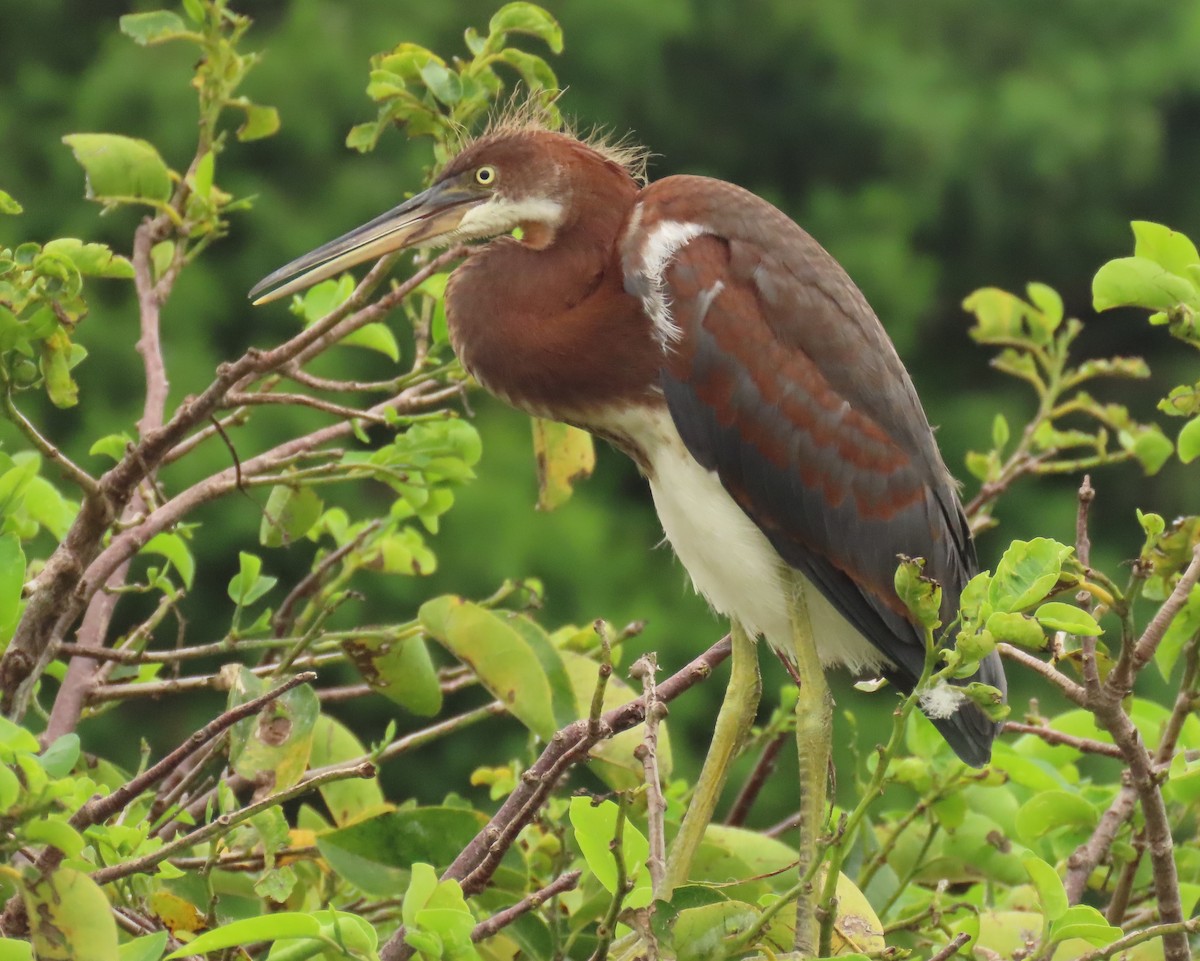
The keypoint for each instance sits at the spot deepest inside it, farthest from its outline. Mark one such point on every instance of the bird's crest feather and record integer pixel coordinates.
(525, 112)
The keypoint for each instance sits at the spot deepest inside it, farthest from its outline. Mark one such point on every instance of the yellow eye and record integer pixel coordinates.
(485, 176)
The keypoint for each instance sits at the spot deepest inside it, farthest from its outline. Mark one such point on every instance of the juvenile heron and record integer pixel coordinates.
(706, 335)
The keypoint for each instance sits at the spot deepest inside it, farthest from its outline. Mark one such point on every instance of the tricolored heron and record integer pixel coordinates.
(710, 338)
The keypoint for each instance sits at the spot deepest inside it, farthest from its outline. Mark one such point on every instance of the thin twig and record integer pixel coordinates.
(302, 400)
(1048, 734)
(282, 622)
(531, 902)
(72, 471)
(199, 682)
(1153, 634)
(1065, 685)
(645, 668)
(1134, 938)
(225, 823)
(951, 949)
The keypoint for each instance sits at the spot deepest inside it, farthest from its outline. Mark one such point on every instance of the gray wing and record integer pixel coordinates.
(782, 381)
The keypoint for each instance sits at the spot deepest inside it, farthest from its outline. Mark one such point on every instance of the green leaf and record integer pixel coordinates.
(1000, 432)
(8, 205)
(920, 594)
(71, 918)
(376, 337)
(12, 950)
(1026, 573)
(535, 73)
(150, 947)
(1048, 302)
(269, 927)
(399, 668)
(248, 585)
(324, 298)
(121, 169)
(529, 19)
(355, 798)
(57, 833)
(202, 178)
(290, 513)
(156, 26)
(60, 757)
(91, 260)
(112, 445)
(1049, 810)
(1052, 896)
(374, 853)
(1188, 444)
(1018, 629)
(260, 121)
(565, 455)
(175, 549)
(1066, 617)
(1140, 282)
(1151, 448)
(442, 82)
(55, 364)
(707, 931)
(1086, 923)
(1167, 248)
(363, 136)
(12, 582)
(595, 827)
(498, 655)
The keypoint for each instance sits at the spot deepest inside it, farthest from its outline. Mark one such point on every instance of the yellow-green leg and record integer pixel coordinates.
(814, 730)
(733, 723)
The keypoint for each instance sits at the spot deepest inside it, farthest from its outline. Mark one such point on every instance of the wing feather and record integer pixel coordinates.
(785, 384)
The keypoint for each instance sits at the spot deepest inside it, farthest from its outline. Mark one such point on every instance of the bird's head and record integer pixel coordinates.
(507, 179)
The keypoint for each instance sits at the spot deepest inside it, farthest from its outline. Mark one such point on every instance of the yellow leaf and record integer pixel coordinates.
(565, 455)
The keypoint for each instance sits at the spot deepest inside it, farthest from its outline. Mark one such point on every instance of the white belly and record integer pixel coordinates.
(730, 561)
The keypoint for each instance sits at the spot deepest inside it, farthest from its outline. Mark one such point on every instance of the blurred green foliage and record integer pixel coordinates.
(930, 150)
(918, 145)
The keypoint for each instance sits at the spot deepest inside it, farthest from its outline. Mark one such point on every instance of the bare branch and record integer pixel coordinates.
(1170, 929)
(72, 471)
(478, 860)
(502, 919)
(645, 668)
(225, 823)
(308, 585)
(1069, 688)
(1153, 634)
(951, 949)
(243, 399)
(1048, 734)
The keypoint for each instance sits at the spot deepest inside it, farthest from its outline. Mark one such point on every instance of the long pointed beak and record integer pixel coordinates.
(421, 220)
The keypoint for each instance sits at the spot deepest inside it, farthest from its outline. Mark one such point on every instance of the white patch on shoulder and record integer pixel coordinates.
(499, 216)
(664, 240)
(730, 561)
